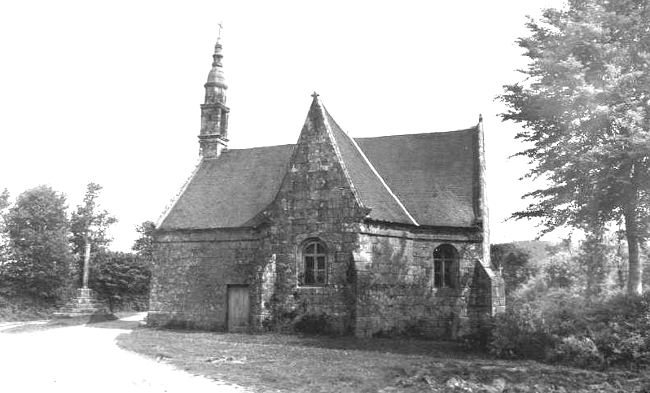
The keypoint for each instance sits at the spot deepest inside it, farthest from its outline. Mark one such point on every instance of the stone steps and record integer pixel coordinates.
(85, 303)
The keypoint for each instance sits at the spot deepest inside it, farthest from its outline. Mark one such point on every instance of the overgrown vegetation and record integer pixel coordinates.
(568, 312)
(122, 280)
(42, 255)
(292, 316)
(16, 308)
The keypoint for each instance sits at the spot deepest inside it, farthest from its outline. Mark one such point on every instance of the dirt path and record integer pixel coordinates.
(86, 359)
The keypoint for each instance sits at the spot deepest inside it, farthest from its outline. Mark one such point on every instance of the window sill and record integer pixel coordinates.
(313, 285)
(315, 289)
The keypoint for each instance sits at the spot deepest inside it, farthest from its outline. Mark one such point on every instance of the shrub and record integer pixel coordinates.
(282, 313)
(479, 338)
(520, 333)
(24, 309)
(560, 328)
(122, 280)
(577, 351)
(312, 323)
(620, 328)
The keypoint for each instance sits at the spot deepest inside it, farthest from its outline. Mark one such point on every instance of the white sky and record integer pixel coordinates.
(109, 92)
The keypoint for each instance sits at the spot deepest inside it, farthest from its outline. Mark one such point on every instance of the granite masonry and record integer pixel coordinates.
(367, 236)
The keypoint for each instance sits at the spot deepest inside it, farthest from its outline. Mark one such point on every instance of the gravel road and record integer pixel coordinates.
(86, 359)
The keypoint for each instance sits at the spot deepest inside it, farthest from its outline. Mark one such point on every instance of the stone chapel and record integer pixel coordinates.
(384, 235)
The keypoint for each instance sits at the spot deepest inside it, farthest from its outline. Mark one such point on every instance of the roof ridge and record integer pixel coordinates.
(381, 179)
(259, 147)
(178, 195)
(418, 134)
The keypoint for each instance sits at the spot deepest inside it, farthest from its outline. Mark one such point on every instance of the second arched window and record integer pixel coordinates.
(444, 266)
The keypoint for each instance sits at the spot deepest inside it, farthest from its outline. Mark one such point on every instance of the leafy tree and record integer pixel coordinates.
(38, 231)
(88, 223)
(602, 261)
(4, 241)
(89, 226)
(4, 204)
(122, 279)
(515, 264)
(143, 246)
(585, 109)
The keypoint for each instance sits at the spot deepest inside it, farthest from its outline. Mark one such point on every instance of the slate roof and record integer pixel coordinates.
(231, 190)
(370, 187)
(432, 174)
(421, 179)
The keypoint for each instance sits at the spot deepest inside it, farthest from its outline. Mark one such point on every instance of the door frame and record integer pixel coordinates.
(228, 286)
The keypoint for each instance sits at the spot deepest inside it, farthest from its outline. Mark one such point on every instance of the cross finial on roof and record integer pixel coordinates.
(315, 95)
(220, 27)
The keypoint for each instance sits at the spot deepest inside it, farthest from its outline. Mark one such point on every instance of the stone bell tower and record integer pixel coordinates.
(214, 112)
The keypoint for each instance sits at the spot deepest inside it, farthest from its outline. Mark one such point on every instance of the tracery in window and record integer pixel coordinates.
(314, 256)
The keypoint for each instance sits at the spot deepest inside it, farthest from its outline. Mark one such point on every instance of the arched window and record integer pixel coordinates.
(314, 256)
(444, 266)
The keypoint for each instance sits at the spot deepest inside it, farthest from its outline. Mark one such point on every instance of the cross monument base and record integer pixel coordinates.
(84, 304)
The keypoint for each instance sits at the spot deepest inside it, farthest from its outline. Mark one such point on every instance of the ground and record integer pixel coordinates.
(86, 358)
(290, 363)
(69, 357)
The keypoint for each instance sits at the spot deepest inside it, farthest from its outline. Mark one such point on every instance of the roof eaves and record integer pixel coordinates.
(442, 228)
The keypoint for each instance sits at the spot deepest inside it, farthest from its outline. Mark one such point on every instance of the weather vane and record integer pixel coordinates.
(220, 27)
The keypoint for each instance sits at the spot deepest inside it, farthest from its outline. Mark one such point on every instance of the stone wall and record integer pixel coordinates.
(191, 274)
(396, 293)
(487, 297)
(315, 201)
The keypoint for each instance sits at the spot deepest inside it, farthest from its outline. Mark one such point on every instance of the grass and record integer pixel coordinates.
(283, 363)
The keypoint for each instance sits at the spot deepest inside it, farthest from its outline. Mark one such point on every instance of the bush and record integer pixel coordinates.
(620, 328)
(577, 351)
(281, 313)
(122, 280)
(24, 309)
(312, 323)
(615, 331)
(480, 337)
(520, 333)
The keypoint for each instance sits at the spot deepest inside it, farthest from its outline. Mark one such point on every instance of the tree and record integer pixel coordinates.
(38, 229)
(4, 204)
(515, 264)
(89, 224)
(143, 246)
(585, 109)
(122, 279)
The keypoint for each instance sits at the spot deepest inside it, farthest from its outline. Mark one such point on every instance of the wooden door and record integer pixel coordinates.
(238, 308)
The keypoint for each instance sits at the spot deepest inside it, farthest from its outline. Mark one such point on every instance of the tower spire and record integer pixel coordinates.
(213, 137)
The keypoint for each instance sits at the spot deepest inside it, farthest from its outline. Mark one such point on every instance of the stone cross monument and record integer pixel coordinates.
(85, 303)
